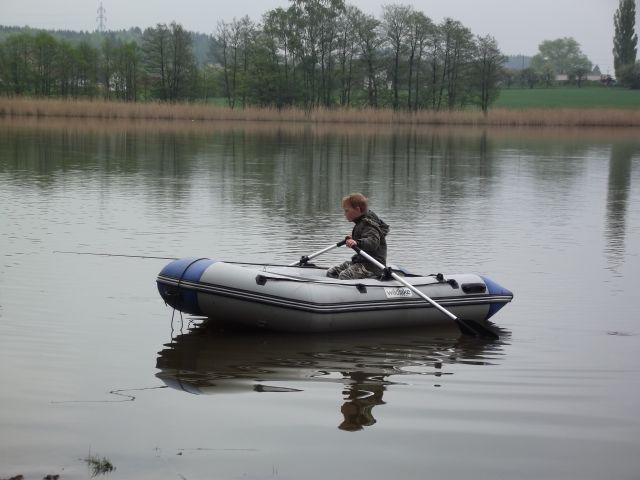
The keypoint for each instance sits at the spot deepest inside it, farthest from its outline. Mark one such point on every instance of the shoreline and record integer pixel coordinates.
(18, 107)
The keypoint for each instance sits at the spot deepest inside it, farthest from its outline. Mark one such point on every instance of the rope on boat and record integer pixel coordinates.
(262, 279)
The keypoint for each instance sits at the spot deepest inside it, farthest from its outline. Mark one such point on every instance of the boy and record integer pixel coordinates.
(368, 233)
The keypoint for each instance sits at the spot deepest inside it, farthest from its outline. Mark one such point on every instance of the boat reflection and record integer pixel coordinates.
(211, 358)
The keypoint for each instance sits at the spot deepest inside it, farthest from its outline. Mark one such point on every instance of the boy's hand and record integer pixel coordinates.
(350, 242)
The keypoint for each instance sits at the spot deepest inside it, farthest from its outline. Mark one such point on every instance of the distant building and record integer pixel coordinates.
(594, 76)
(590, 77)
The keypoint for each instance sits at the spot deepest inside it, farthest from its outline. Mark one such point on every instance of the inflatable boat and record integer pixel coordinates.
(303, 299)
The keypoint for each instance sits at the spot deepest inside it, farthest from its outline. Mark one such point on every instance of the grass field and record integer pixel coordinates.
(568, 97)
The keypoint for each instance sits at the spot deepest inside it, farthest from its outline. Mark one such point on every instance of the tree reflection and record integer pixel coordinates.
(617, 200)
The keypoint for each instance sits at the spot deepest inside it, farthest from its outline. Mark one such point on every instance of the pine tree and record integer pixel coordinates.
(625, 40)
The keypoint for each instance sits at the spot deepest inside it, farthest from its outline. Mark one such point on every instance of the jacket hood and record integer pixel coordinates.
(375, 221)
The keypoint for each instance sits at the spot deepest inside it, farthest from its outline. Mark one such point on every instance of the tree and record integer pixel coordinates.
(17, 64)
(528, 77)
(579, 73)
(625, 40)
(65, 70)
(107, 65)
(347, 51)
(126, 70)
(317, 27)
(630, 75)
(40, 64)
(45, 52)
(369, 42)
(316, 52)
(433, 56)
(280, 33)
(248, 32)
(562, 56)
(457, 54)
(168, 60)
(488, 70)
(508, 77)
(420, 28)
(396, 24)
(87, 70)
(547, 75)
(181, 61)
(225, 46)
(236, 40)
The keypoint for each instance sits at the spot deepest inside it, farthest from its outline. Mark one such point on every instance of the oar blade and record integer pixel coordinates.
(475, 329)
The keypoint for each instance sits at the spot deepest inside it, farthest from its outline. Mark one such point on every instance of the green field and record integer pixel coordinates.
(568, 97)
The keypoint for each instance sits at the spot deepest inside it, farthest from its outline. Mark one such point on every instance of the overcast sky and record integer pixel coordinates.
(518, 25)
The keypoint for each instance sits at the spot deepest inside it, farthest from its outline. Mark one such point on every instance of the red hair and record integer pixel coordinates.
(356, 200)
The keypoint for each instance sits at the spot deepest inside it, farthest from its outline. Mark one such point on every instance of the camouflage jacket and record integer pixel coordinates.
(370, 232)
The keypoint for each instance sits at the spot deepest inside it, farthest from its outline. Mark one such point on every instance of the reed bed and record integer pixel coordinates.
(316, 130)
(111, 110)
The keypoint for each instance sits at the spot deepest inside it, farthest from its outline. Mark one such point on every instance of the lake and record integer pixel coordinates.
(93, 364)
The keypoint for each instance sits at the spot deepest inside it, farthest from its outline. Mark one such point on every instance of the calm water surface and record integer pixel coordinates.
(93, 362)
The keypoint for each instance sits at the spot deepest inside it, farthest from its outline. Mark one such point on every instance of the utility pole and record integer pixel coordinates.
(101, 18)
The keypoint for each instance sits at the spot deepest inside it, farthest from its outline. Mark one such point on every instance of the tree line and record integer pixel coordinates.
(326, 53)
(157, 64)
(315, 53)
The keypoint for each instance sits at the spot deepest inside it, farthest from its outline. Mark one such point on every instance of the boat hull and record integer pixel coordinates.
(297, 299)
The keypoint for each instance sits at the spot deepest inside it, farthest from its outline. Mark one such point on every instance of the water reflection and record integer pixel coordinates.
(617, 200)
(211, 358)
(444, 181)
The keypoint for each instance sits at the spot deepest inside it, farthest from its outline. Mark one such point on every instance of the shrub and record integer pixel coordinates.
(630, 76)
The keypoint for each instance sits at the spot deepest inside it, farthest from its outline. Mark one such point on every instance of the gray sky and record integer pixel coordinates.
(518, 25)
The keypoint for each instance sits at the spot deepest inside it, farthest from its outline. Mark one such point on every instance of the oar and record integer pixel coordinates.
(304, 259)
(468, 327)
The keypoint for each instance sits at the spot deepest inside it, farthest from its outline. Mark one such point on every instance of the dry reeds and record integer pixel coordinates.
(112, 110)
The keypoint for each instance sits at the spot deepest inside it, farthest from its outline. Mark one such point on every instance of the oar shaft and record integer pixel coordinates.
(406, 284)
(420, 294)
(314, 255)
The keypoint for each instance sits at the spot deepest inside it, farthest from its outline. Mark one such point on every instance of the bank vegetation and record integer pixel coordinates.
(61, 110)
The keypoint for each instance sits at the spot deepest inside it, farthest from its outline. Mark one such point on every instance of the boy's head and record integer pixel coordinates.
(354, 205)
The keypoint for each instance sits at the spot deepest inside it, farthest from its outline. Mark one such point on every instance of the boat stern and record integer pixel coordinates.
(176, 281)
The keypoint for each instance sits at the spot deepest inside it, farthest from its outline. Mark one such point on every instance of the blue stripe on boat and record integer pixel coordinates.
(495, 289)
(188, 269)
